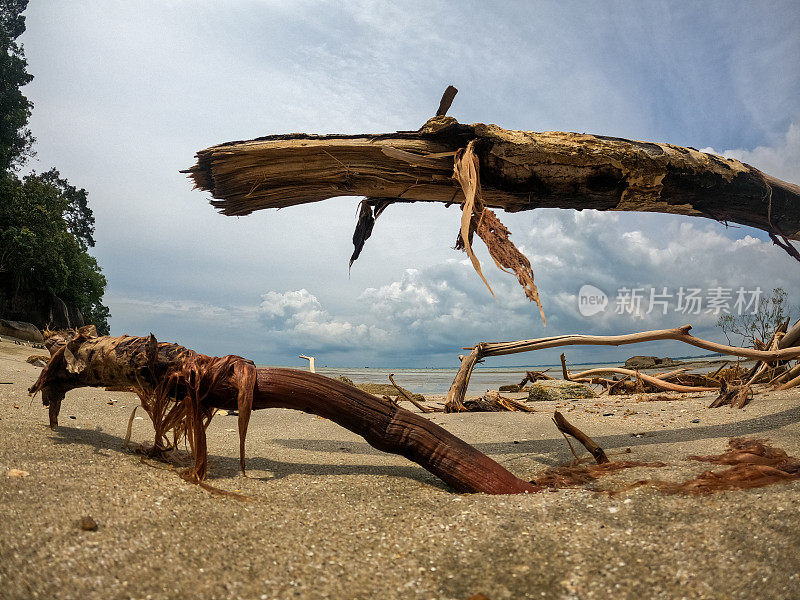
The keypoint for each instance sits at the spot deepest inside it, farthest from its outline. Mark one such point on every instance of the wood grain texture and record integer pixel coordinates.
(519, 170)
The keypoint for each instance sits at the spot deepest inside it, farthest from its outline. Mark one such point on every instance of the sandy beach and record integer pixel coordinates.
(332, 517)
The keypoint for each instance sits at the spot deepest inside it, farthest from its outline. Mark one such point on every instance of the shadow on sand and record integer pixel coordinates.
(550, 451)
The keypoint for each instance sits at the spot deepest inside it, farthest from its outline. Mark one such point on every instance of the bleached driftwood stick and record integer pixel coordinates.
(310, 360)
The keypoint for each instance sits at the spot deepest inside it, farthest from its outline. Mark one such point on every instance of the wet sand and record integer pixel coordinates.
(334, 518)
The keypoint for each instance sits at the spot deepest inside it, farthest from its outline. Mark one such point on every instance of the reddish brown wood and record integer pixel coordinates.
(388, 428)
(146, 364)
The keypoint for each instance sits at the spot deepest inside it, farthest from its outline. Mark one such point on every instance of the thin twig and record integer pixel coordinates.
(564, 371)
(575, 454)
(130, 426)
(423, 408)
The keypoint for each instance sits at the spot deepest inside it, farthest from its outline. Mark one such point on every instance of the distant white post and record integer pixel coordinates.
(310, 360)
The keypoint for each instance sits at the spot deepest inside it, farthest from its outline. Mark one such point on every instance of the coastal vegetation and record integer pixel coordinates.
(47, 275)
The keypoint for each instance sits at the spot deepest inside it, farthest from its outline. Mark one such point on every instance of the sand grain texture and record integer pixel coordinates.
(334, 518)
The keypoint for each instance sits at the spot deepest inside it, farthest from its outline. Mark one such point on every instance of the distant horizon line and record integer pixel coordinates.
(523, 366)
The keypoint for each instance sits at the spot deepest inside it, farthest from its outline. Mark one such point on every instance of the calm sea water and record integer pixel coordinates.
(435, 381)
(438, 381)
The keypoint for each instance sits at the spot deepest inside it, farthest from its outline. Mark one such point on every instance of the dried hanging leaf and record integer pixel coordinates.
(363, 230)
(366, 221)
(477, 219)
(507, 256)
(465, 171)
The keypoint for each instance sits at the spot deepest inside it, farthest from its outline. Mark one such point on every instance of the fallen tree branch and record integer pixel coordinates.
(512, 170)
(790, 384)
(786, 375)
(568, 428)
(180, 389)
(520, 170)
(680, 334)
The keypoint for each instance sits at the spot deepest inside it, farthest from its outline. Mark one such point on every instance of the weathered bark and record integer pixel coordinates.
(790, 384)
(455, 396)
(786, 376)
(792, 376)
(519, 170)
(735, 395)
(681, 334)
(792, 337)
(159, 370)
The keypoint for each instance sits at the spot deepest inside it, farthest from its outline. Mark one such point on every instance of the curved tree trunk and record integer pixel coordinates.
(179, 389)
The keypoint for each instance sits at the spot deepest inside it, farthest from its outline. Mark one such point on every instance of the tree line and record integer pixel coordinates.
(46, 225)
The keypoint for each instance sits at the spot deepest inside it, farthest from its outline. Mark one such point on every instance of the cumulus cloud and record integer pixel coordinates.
(302, 322)
(438, 309)
(428, 314)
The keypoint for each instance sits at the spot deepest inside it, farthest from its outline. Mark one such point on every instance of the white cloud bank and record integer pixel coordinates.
(781, 160)
(301, 321)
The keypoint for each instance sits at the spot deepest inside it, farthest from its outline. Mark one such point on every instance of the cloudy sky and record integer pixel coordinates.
(126, 92)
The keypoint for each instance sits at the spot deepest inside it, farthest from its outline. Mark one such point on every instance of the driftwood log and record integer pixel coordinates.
(481, 167)
(519, 170)
(657, 382)
(180, 390)
(455, 396)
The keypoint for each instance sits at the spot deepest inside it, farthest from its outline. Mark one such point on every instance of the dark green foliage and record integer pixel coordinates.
(15, 108)
(38, 246)
(46, 225)
(77, 214)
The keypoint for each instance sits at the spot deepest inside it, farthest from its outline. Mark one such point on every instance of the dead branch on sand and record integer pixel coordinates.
(568, 428)
(455, 396)
(180, 389)
(405, 395)
(656, 382)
